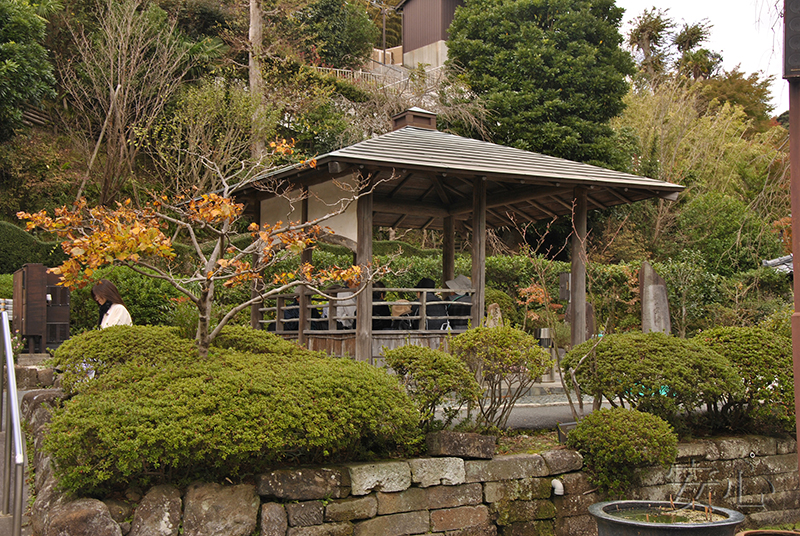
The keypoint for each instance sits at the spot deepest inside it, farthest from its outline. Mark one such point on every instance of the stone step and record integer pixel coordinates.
(32, 360)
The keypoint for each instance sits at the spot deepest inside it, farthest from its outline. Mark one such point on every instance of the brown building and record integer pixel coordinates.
(425, 25)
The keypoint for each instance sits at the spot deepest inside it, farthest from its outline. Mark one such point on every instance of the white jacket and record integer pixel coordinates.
(117, 315)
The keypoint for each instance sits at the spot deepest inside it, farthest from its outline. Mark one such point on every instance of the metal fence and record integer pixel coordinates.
(13, 428)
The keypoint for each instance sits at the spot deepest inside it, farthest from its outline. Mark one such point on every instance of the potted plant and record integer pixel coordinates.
(663, 518)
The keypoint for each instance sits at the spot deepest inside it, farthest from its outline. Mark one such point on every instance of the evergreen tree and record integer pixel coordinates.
(551, 72)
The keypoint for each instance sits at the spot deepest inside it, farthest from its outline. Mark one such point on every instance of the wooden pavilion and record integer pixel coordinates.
(425, 179)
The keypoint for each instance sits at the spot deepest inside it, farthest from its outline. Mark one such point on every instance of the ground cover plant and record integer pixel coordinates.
(161, 415)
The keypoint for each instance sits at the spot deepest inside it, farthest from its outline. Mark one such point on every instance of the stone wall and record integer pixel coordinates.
(452, 492)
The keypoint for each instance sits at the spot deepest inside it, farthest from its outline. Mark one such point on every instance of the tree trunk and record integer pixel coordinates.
(256, 37)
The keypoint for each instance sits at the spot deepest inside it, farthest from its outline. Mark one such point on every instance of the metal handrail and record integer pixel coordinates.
(13, 433)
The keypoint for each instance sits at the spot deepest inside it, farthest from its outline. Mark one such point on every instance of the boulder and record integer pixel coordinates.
(159, 513)
(215, 510)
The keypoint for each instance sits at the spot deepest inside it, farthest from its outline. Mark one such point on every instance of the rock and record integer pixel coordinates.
(159, 513)
(351, 509)
(119, 510)
(215, 510)
(306, 484)
(305, 514)
(562, 461)
(84, 517)
(429, 472)
(273, 520)
(386, 477)
(462, 445)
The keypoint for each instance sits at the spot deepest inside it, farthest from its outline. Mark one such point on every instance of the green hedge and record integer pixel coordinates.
(165, 416)
(652, 372)
(18, 247)
(7, 286)
(763, 360)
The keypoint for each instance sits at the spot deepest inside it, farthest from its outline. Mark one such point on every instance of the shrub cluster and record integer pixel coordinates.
(763, 360)
(164, 415)
(652, 372)
(614, 442)
(434, 379)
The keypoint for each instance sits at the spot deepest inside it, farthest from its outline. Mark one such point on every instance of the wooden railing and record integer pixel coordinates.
(281, 314)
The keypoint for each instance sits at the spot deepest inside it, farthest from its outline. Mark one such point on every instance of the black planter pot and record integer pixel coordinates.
(609, 525)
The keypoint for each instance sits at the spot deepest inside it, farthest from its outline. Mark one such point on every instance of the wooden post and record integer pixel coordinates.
(478, 250)
(794, 161)
(364, 300)
(578, 278)
(302, 299)
(448, 249)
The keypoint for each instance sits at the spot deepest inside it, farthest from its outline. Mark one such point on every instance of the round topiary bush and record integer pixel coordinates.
(763, 359)
(652, 372)
(615, 442)
(433, 379)
(173, 417)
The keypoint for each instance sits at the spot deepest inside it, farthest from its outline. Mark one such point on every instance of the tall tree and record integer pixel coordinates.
(551, 72)
(649, 37)
(26, 74)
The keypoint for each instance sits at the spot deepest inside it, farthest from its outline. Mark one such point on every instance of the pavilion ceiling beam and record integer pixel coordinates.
(437, 183)
(400, 184)
(542, 208)
(500, 217)
(408, 207)
(400, 220)
(428, 223)
(513, 196)
(623, 198)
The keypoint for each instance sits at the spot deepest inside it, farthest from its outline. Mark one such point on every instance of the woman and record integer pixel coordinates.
(112, 308)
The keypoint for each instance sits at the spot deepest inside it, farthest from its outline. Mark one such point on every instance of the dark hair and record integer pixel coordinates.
(105, 289)
(377, 290)
(426, 282)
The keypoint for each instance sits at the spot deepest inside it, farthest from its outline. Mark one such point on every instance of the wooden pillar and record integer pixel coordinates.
(364, 300)
(794, 160)
(449, 249)
(478, 250)
(578, 277)
(255, 310)
(302, 299)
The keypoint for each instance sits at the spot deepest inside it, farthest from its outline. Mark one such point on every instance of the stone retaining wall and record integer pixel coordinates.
(442, 493)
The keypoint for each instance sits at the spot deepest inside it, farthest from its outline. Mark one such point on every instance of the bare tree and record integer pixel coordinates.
(121, 76)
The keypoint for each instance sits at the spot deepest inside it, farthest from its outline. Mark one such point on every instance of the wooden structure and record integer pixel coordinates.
(41, 307)
(425, 179)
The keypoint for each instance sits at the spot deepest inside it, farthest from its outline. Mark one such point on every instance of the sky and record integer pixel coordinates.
(746, 32)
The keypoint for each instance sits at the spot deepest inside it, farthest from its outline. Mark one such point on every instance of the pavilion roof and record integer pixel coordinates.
(423, 175)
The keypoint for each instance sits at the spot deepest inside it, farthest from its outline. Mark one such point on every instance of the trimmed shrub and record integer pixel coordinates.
(254, 341)
(506, 362)
(179, 418)
(21, 247)
(763, 360)
(614, 442)
(433, 379)
(96, 352)
(652, 372)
